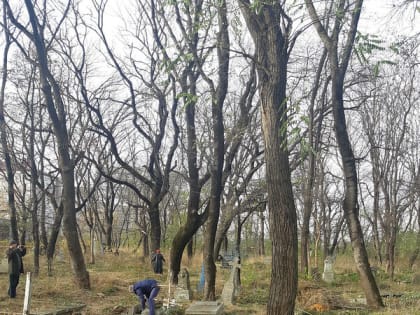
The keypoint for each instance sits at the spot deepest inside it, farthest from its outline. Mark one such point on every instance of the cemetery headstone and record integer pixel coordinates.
(232, 285)
(205, 308)
(59, 256)
(328, 275)
(183, 290)
(4, 265)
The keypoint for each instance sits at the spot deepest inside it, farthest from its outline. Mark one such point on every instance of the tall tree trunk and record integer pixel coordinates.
(10, 174)
(314, 137)
(180, 240)
(216, 168)
(350, 204)
(92, 244)
(416, 252)
(184, 236)
(34, 195)
(261, 237)
(272, 45)
(155, 229)
(52, 241)
(56, 112)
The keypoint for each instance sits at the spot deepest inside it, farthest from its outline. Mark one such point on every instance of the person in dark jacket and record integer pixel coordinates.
(147, 289)
(157, 261)
(14, 257)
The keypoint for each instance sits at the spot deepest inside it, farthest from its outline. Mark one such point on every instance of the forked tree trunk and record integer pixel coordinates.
(261, 237)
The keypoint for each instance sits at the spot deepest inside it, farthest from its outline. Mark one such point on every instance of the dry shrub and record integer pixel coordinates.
(315, 298)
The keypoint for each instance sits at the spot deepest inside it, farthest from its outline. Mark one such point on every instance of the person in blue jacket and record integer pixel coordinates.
(147, 289)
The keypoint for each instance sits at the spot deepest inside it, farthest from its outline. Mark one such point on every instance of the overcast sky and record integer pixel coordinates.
(385, 18)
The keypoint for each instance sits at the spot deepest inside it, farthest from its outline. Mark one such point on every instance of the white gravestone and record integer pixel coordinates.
(328, 275)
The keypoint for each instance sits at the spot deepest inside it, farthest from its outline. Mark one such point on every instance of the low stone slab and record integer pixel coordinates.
(70, 310)
(136, 310)
(205, 308)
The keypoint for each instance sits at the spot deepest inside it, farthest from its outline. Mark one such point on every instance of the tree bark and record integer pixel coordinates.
(350, 204)
(272, 57)
(218, 149)
(180, 240)
(56, 112)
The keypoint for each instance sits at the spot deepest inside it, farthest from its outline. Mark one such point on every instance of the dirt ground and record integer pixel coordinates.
(111, 275)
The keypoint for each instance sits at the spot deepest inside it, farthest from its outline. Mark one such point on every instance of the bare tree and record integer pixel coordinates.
(14, 234)
(387, 124)
(338, 66)
(314, 139)
(270, 29)
(56, 110)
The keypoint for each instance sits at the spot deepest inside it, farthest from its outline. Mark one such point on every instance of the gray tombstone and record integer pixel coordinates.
(4, 266)
(416, 279)
(59, 256)
(232, 286)
(205, 308)
(183, 289)
(328, 275)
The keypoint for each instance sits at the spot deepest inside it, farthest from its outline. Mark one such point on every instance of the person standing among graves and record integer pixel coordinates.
(157, 261)
(146, 289)
(14, 257)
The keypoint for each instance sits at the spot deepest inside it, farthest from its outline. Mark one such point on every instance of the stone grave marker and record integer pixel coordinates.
(183, 289)
(416, 279)
(59, 256)
(205, 308)
(328, 274)
(232, 286)
(4, 265)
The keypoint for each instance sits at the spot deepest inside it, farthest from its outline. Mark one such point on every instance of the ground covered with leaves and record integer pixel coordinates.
(111, 275)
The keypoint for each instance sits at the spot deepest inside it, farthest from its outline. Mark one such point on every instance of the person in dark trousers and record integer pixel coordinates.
(147, 289)
(157, 262)
(14, 257)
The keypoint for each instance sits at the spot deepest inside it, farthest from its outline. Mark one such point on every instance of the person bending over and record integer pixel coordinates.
(147, 289)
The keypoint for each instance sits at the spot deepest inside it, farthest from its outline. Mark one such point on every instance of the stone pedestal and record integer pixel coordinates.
(205, 308)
